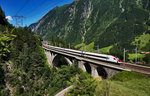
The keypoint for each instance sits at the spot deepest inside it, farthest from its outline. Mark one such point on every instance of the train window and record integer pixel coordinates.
(114, 59)
(107, 57)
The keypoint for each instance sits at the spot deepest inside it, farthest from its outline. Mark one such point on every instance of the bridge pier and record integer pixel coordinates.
(94, 71)
(81, 65)
(50, 57)
(69, 61)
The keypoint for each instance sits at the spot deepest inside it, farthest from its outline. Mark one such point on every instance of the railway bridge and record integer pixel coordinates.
(90, 65)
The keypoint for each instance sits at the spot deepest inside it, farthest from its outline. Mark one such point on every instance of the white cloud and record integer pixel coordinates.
(9, 18)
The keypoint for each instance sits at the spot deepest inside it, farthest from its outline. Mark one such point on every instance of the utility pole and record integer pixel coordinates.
(124, 54)
(69, 45)
(135, 55)
(98, 49)
(85, 48)
(19, 20)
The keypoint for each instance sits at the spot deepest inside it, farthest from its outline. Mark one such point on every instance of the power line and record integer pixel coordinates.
(19, 19)
(55, 5)
(48, 8)
(44, 1)
(26, 2)
(39, 5)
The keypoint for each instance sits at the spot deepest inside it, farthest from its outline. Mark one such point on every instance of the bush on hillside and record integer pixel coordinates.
(84, 85)
(127, 75)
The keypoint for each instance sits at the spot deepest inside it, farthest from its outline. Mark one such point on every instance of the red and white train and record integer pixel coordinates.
(96, 56)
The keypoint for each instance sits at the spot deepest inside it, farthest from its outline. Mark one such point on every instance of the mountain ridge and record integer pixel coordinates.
(103, 22)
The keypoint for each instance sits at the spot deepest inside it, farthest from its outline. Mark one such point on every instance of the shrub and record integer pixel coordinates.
(84, 85)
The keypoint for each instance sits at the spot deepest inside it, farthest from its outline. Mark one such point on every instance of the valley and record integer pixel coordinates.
(90, 47)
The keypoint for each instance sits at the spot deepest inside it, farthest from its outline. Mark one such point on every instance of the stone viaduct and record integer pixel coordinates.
(95, 68)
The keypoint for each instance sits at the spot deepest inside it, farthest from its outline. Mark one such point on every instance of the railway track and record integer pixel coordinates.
(128, 66)
(137, 68)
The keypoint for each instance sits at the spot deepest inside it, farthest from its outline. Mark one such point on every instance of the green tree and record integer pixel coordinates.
(84, 85)
(63, 76)
(5, 39)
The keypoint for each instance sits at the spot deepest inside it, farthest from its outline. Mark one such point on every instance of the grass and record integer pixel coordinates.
(106, 49)
(127, 76)
(125, 84)
(139, 56)
(136, 87)
(83, 47)
(79, 45)
(89, 48)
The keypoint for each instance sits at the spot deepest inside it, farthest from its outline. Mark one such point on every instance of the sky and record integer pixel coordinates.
(31, 10)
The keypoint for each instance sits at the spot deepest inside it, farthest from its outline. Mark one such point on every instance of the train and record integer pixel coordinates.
(104, 57)
(95, 56)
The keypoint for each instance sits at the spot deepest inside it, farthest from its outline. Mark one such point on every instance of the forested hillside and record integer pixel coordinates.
(110, 24)
(24, 70)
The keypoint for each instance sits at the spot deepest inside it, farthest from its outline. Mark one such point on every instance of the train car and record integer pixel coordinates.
(104, 57)
(96, 56)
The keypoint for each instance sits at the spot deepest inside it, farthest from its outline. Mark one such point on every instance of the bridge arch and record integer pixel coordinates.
(87, 67)
(59, 60)
(102, 72)
(96, 69)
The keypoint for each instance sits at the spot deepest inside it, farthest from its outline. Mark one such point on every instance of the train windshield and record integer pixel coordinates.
(117, 58)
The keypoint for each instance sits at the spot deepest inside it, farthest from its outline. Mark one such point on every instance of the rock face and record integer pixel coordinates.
(105, 22)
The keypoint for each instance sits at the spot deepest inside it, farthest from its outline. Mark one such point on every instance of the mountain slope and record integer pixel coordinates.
(103, 21)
